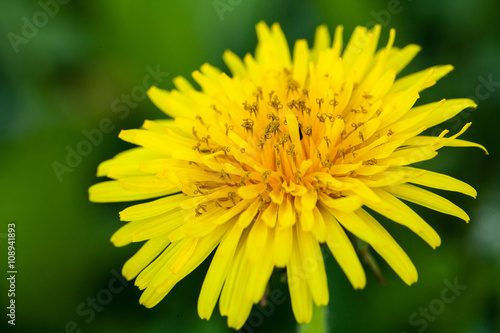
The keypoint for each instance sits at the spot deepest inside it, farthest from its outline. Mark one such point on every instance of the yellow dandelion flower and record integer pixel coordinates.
(284, 155)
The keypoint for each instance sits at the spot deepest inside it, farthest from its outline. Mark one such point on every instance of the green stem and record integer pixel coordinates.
(318, 322)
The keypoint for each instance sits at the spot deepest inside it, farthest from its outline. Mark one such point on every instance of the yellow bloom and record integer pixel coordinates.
(282, 156)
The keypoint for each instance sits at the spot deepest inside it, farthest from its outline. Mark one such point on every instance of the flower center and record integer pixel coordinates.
(286, 138)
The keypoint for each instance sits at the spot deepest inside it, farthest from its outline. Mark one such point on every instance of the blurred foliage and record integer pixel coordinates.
(65, 79)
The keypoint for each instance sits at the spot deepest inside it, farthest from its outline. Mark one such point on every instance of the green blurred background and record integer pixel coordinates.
(72, 71)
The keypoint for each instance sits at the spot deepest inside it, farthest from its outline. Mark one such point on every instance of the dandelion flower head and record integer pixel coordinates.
(290, 151)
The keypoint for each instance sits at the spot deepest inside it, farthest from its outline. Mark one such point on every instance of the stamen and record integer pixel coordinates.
(228, 127)
(198, 117)
(321, 117)
(197, 147)
(225, 149)
(327, 140)
(356, 125)
(258, 94)
(243, 178)
(215, 108)
(205, 140)
(305, 92)
(371, 161)
(342, 135)
(232, 196)
(319, 101)
(275, 103)
(199, 189)
(195, 133)
(308, 130)
(265, 174)
(293, 86)
(224, 174)
(248, 124)
(298, 177)
(326, 163)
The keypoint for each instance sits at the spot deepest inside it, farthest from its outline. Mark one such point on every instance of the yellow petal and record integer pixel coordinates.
(343, 251)
(146, 276)
(155, 141)
(319, 227)
(300, 61)
(256, 240)
(440, 112)
(337, 41)
(111, 191)
(442, 182)
(127, 162)
(399, 59)
(286, 213)
(281, 45)
(140, 230)
(182, 84)
(258, 247)
(364, 226)
(321, 42)
(209, 85)
(463, 143)
(306, 218)
(251, 191)
(309, 199)
(409, 80)
(198, 226)
(249, 214)
(347, 204)
(310, 252)
(192, 254)
(397, 211)
(283, 240)
(172, 103)
(293, 130)
(297, 284)
(149, 251)
(217, 272)
(270, 215)
(427, 199)
(235, 64)
(152, 208)
(147, 184)
(232, 303)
